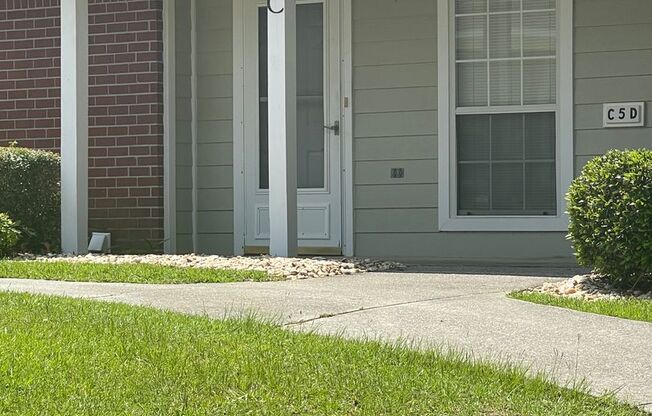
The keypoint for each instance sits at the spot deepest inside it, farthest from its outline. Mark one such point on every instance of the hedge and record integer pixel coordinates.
(30, 195)
(610, 209)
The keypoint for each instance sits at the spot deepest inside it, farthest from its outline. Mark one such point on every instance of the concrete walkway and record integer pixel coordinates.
(457, 309)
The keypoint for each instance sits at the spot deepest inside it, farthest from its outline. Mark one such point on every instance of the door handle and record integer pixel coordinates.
(335, 128)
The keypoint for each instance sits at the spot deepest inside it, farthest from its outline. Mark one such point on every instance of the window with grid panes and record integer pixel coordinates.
(506, 107)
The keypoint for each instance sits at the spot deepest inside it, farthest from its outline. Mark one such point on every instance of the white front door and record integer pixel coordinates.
(318, 120)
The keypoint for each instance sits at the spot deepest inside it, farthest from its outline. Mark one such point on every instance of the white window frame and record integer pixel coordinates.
(448, 218)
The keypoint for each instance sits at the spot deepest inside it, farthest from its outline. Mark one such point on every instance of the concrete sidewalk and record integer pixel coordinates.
(457, 310)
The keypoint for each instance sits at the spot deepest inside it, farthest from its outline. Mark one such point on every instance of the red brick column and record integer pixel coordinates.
(126, 106)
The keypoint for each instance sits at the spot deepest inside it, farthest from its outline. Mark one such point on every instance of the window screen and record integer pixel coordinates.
(310, 97)
(506, 107)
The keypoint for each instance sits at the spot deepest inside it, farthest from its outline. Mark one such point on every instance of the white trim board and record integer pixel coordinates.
(74, 126)
(448, 219)
(346, 38)
(239, 224)
(281, 125)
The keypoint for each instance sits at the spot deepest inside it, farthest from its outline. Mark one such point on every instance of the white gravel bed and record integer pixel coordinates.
(590, 287)
(291, 268)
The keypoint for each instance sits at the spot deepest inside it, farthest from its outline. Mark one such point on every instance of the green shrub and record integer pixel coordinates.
(9, 235)
(610, 208)
(30, 194)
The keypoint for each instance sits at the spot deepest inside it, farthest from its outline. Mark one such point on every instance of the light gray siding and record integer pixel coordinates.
(214, 126)
(395, 116)
(395, 124)
(183, 143)
(613, 63)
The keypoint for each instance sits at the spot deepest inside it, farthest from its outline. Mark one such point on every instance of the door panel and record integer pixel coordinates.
(318, 149)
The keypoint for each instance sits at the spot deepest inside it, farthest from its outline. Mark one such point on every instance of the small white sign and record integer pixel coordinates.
(624, 115)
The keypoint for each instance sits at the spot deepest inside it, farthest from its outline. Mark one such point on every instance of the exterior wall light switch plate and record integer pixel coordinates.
(397, 173)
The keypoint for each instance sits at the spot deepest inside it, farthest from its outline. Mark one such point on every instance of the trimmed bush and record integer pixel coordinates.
(9, 235)
(30, 195)
(610, 208)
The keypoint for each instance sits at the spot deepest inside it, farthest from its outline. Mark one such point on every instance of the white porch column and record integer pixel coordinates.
(74, 126)
(282, 128)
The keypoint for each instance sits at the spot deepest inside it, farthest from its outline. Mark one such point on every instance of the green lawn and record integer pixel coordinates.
(125, 273)
(74, 357)
(639, 310)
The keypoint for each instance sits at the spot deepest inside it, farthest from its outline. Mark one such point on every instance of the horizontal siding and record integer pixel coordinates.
(484, 247)
(183, 136)
(395, 126)
(395, 28)
(613, 63)
(215, 154)
(216, 38)
(378, 172)
(214, 242)
(214, 63)
(396, 76)
(395, 196)
(613, 88)
(374, 10)
(616, 38)
(214, 126)
(597, 142)
(395, 52)
(214, 109)
(215, 86)
(215, 222)
(395, 122)
(397, 220)
(215, 199)
(214, 177)
(215, 131)
(395, 148)
(395, 119)
(402, 123)
(389, 100)
(594, 13)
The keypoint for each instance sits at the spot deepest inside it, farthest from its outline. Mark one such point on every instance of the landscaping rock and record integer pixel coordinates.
(290, 268)
(590, 287)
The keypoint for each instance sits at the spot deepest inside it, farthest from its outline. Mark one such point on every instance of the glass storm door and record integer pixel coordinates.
(318, 119)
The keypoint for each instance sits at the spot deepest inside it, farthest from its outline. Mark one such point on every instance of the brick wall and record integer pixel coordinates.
(29, 73)
(125, 100)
